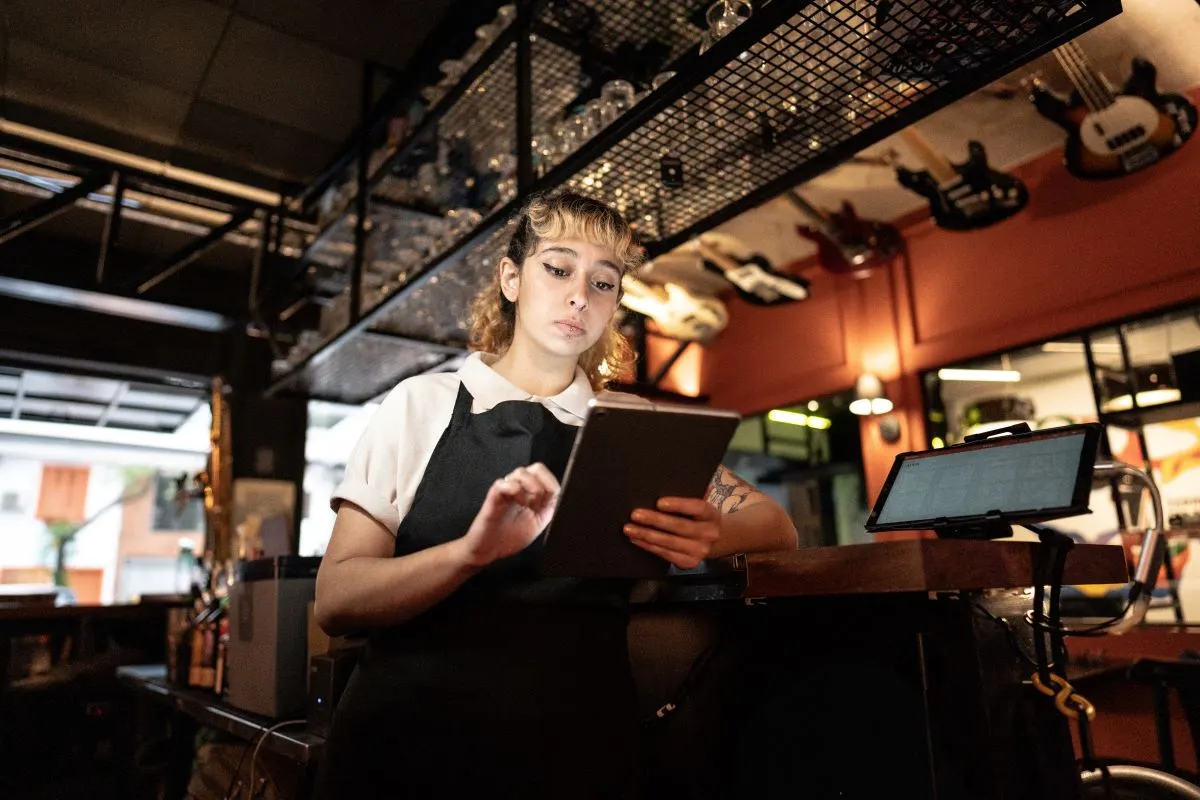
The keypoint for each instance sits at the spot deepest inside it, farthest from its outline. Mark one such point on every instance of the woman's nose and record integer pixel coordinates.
(579, 295)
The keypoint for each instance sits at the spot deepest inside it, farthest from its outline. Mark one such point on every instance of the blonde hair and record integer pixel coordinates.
(557, 216)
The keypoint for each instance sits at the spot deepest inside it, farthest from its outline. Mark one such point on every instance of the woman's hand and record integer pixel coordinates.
(517, 508)
(682, 530)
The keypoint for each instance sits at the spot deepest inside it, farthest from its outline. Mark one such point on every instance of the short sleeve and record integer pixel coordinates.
(374, 468)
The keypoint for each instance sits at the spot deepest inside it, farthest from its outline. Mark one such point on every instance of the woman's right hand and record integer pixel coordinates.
(517, 508)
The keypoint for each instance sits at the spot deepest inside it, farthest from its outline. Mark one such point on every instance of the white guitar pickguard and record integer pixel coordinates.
(678, 312)
(1125, 125)
(755, 280)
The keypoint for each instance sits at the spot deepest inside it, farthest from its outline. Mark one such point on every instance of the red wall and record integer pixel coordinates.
(1081, 254)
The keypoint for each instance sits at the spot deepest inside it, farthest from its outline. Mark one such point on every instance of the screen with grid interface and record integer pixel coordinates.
(1009, 477)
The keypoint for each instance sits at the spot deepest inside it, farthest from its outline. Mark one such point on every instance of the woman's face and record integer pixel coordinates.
(566, 294)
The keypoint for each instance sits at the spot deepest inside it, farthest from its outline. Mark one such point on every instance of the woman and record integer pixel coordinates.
(481, 676)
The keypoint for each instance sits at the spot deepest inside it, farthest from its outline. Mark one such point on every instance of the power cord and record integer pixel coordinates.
(262, 737)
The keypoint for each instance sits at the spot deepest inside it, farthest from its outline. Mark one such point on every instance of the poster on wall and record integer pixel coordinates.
(263, 517)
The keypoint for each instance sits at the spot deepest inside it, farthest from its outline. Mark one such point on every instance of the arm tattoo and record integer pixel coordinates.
(727, 492)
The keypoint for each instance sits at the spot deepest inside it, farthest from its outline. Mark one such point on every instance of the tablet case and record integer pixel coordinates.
(627, 456)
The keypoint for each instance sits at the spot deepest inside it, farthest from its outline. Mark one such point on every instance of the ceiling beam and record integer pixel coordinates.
(71, 263)
(104, 344)
(29, 218)
(106, 414)
(112, 225)
(199, 247)
(20, 395)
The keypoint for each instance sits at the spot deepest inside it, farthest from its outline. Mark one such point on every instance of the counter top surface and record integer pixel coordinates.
(919, 565)
(292, 741)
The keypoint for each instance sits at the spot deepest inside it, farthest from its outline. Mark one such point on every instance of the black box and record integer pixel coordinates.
(328, 675)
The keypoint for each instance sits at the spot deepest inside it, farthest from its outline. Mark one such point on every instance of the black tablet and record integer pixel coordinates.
(1025, 477)
(627, 455)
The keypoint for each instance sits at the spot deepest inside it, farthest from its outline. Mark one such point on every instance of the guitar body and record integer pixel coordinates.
(757, 282)
(678, 312)
(859, 247)
(979, 196)
(1139, 129)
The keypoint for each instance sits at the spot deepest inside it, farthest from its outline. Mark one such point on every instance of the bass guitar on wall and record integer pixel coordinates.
(1111, 133)
(754, 279)
(962, 197)
(846, 243)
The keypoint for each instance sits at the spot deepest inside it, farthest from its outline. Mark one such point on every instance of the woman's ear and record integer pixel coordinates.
(510, 279)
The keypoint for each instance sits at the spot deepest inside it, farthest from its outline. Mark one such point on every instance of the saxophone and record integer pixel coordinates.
(217, 486)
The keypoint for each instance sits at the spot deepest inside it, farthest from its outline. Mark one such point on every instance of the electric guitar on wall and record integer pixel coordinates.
(847, 244)
(754, 280)
(1113, 133)
(962, 197)
(676, 311)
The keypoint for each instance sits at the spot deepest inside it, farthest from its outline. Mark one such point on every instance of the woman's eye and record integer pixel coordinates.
(605, 286)
(555, 271)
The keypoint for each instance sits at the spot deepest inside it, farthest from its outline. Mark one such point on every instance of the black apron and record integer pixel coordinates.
(514, 686)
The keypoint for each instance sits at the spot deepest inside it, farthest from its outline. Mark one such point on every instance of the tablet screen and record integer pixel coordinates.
(626, 457)
(1021, 476)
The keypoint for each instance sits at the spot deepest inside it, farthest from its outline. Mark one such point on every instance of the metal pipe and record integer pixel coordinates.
(1146, 571)
(196, 249)
(112, 225)
(146, 165)
(361, 200)
(29, 218)
(524, 100)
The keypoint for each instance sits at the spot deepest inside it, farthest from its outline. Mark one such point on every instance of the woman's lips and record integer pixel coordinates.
(569, 327)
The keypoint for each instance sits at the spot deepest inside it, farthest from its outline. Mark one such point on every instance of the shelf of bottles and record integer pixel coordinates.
(680, 115)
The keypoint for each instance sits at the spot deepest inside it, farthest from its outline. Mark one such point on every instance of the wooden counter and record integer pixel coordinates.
(920, 565)
(872, 670)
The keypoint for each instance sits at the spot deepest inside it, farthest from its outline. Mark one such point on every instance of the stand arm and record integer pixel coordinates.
(1146, 572)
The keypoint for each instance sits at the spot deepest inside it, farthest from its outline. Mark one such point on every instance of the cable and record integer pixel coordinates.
(262, 737)
(1008, 631)
(1144, 576)
(236, 771)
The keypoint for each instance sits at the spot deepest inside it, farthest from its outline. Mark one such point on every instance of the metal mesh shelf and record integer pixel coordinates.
(363, 367)
(788, 94)
(808, 93)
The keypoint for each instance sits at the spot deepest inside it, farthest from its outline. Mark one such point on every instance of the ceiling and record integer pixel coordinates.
(1166, 31)
(36, 395)
(265, 91)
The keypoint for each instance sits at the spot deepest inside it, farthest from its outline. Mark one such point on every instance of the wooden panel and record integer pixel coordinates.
(924, 565)
(1123, 247)
(772, 356)
(63, 494)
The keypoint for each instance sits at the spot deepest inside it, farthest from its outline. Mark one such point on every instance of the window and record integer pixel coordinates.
(173, 511)
(63, 494)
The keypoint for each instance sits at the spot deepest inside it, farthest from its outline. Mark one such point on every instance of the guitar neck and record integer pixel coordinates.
(716, 257)
(1090, 84)
(938, 165)
(818, 216)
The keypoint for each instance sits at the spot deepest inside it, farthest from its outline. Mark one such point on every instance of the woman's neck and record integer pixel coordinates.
(537, 373)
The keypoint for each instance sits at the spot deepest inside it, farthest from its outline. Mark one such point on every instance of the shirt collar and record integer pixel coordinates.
(489, 388)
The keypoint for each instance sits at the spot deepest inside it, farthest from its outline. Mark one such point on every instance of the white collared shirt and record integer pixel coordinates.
(387, 464)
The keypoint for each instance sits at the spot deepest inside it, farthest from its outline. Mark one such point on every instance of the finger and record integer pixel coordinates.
(532, 488)
(680, 526)
(676, 544)
(681, 560)
(695, 507)
(545, 476)
(502, 496)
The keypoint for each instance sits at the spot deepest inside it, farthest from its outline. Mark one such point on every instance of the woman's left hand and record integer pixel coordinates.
(683, 530)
